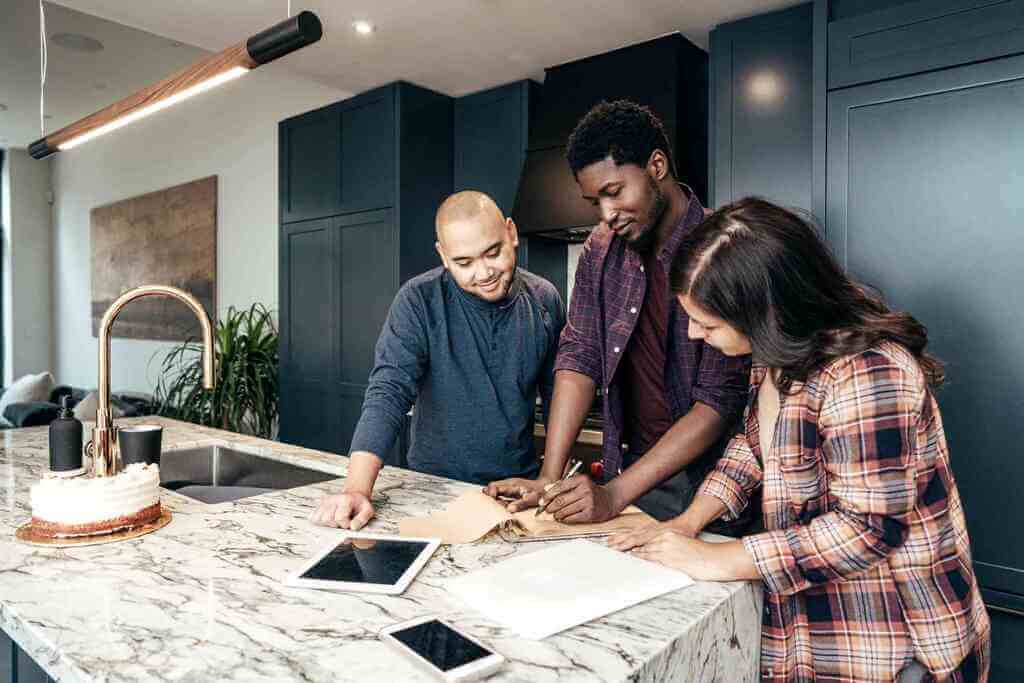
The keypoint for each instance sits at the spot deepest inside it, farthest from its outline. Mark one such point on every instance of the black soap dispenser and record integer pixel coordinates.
(66, 442)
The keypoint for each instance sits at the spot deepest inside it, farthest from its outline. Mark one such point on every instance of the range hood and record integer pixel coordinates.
(667, 74)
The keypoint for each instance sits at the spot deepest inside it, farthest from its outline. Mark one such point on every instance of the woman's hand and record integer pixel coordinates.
(703, 561)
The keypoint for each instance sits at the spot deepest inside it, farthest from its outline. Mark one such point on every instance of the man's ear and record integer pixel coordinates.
(512, 230)
(440, 252)
(657, 165)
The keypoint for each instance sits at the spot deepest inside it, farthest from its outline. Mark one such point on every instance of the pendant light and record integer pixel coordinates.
(277, 41)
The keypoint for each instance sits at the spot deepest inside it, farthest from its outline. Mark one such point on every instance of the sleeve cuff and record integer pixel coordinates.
(775, 554)
(576, 364)
(726, 407)
(720, 486)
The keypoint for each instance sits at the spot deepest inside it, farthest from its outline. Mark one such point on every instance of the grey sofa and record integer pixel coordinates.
(39, 413)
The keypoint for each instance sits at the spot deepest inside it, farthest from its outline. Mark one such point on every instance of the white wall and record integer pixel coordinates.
(230, 132)
(27, 253)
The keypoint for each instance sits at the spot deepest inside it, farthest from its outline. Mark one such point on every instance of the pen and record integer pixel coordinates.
(568, 475)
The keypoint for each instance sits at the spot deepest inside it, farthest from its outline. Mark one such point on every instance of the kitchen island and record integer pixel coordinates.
(202, 598)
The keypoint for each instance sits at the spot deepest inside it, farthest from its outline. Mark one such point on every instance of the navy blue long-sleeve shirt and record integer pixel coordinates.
(472, 368)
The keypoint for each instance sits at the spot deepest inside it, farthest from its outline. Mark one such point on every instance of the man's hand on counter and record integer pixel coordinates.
(579, 500)
(344, 510)
(526, 492)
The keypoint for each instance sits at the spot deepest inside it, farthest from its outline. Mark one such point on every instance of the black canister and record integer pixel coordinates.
(66, 442)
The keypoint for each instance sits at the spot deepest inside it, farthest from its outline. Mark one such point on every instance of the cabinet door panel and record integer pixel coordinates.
(367, 128)
(308, 299)
(309, 334)
(490, 143)
(369, 281)
(309, 416)
(761, 122)
(309, 165)
(925, 198)
(913, 37)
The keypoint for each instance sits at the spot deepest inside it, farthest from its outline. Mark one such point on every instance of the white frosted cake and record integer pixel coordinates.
(86, 506)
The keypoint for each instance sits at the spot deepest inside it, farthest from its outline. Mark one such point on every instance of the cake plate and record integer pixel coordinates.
(26, 533)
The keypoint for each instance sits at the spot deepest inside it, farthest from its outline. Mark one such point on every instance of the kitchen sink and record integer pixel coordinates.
(216, 474)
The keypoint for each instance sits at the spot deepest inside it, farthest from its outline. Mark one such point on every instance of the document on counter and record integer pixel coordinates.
(474, 514)
(539, 594)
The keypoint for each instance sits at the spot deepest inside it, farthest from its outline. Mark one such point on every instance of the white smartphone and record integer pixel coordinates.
(439, 648)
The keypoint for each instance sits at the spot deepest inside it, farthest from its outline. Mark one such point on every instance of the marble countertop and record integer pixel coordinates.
(202, 598)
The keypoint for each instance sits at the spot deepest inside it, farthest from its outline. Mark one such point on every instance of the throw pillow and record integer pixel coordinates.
(28, 389)
(85, 410)
(32, 414)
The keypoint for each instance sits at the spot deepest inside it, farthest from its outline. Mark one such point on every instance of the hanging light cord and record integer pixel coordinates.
(42, 66)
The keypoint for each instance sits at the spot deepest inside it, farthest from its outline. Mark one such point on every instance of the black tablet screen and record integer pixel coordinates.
(363, 560)
(441, 646)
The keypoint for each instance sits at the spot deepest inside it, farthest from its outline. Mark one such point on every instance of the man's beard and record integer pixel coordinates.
(643, 243)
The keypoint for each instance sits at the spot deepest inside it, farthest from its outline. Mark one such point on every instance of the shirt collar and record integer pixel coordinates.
(480, 304)
(694, 216)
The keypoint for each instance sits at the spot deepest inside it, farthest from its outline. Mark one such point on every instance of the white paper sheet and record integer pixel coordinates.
(542, 593)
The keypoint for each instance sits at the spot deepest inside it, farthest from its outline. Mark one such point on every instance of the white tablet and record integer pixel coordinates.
(374, 563)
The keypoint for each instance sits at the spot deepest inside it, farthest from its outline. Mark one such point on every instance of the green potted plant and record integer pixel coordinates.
(245, 396)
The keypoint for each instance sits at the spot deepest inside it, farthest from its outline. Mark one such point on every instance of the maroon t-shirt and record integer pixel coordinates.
(647, 411)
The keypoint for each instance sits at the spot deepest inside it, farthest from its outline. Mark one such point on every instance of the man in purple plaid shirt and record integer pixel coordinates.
(669, 400)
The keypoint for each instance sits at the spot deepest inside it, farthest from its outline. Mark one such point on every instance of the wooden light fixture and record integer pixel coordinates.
(290, 35)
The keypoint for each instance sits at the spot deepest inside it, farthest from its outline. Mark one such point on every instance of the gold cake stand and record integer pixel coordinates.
(26, 533)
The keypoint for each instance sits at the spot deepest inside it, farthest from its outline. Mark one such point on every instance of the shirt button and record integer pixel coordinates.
(633, 310)
(616, 349)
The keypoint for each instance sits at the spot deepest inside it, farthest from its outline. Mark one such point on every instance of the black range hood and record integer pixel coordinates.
(668, 74)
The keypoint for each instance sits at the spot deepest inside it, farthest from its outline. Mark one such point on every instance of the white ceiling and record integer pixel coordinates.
(454, 46)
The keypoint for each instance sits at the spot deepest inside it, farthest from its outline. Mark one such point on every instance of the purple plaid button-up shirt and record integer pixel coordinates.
(606, 301)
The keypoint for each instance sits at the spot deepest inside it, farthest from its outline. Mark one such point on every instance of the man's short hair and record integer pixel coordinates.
(466, 205)
(626, 131)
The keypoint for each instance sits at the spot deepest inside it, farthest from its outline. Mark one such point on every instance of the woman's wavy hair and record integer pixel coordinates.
(766, 272)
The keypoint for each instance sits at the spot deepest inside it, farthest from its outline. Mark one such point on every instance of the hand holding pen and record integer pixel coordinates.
(572, 467)
(578, 500)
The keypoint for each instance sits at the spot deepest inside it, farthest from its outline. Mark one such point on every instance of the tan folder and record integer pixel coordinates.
(474, 514)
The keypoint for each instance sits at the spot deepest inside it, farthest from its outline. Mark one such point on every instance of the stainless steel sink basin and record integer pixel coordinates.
(215, 474)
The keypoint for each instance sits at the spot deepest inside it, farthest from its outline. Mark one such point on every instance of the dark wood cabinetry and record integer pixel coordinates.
(915, 142)
(491, 134)
(761, 100)
(372, 196)
(924, 200)
(339, 159)
(900, 39)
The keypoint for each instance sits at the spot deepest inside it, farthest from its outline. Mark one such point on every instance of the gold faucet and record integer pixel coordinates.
(103, 447)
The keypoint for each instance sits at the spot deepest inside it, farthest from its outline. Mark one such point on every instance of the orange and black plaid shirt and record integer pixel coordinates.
(865, 559)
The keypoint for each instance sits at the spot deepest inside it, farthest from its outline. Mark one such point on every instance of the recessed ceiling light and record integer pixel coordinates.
(363, 28)
(76, 41)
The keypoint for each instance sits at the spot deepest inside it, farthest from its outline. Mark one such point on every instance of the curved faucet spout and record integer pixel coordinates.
(106, 460)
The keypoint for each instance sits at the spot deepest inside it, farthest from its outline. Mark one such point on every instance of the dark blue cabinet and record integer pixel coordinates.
(925, 198)
(491, 134)
(761, 101)
(903, 38)
(309, 323)
(367, 151)
(309, 167)
(339, 159)
(391, 168)
(16, 666)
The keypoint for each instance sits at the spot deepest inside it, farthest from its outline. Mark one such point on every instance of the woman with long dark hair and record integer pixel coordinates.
(865, 559)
